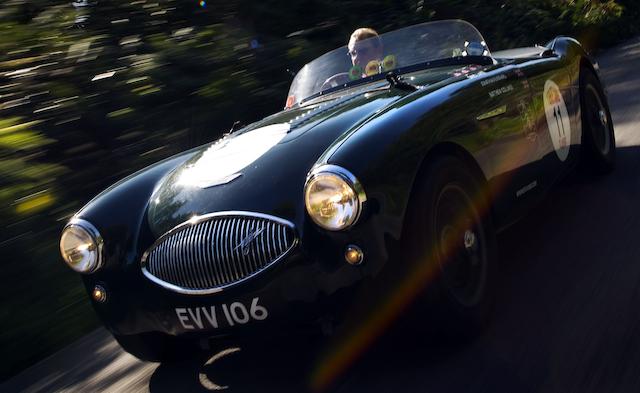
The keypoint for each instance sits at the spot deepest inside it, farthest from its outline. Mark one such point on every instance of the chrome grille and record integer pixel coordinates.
(214, 251)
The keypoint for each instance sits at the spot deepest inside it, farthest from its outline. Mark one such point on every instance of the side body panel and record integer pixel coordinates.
(558, 138)
(484, 116)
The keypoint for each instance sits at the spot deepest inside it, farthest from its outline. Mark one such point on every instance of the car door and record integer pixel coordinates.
(511, 159)
(554, 107)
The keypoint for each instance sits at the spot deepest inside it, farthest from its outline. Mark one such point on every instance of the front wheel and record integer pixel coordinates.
(450, 233)
(598, 138)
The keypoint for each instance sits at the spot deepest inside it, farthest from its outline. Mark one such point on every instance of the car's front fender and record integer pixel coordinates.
(118, 212)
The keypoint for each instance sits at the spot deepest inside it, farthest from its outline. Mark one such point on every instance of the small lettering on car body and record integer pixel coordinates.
(500, 91)
(493, 80)
(210, 317)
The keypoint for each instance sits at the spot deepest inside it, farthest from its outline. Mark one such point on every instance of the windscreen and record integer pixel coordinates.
(380, 54)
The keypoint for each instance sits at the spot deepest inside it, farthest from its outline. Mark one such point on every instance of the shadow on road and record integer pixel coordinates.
(281, 366)
(566, 318)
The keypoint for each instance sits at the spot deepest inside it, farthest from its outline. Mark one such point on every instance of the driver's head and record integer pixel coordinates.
(364, 45)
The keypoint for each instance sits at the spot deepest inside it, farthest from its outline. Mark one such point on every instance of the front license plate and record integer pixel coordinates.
(214, 317)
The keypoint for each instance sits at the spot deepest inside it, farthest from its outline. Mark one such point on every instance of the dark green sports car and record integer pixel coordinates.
(382, 183)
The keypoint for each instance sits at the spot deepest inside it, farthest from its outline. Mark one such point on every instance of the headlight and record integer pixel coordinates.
(81, 246)
(334, 197)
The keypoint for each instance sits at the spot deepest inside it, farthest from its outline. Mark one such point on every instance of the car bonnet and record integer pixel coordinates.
(263, 167)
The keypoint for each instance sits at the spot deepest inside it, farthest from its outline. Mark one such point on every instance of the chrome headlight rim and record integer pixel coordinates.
(94, 234)
(350, 179)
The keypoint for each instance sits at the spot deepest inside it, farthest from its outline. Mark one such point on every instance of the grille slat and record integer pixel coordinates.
(175, 250)
(189, 261)
(279, 239)
(223, 248)
(155, 261)
(184, 248)
(268, 234)
(206, 254)
(228, 247)
(202, 259)
(163, 257)
(260, 242)
(251, 260)
(195, 252)
(227, 251)
(214, 251)
(243, 257)
(237, 251)
(184, 257)
(221, 244)
(236, 236)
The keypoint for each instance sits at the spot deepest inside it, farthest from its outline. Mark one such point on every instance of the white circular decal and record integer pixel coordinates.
(557, 119)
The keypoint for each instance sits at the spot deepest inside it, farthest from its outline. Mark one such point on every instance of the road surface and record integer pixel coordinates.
(567, 318)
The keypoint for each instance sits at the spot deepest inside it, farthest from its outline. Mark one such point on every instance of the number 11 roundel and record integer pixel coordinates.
(557, 119)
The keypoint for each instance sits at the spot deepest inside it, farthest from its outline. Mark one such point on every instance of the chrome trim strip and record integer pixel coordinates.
(219, 182)
(494, 113)
(224, 246)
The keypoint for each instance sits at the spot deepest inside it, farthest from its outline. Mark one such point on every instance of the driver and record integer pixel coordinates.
(365, 46)
(365, 50)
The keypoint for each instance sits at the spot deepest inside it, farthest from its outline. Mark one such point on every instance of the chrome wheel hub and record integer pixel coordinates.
(603, 117)
(461, 248)
(469, 239)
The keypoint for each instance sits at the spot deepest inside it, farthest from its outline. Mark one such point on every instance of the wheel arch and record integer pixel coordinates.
(451, 149)
(572, 48)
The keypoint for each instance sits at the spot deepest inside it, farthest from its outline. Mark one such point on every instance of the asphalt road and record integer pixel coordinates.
(567, 318)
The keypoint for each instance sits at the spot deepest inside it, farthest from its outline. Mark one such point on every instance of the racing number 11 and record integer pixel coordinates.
(557, 114)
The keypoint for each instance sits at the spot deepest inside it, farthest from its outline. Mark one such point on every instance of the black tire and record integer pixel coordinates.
(598, 137)
(155, 347)
(449, 229)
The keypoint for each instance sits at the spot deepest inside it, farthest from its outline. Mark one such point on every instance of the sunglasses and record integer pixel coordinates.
(362, 51)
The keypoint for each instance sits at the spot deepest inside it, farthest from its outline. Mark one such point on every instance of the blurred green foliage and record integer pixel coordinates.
(94, 91)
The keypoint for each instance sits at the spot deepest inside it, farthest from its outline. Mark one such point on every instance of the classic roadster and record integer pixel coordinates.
(375, 178)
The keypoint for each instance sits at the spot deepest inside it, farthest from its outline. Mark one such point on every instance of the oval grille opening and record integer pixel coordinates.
(211, 252)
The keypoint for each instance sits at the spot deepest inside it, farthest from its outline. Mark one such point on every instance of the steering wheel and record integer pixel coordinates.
(335, 80)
